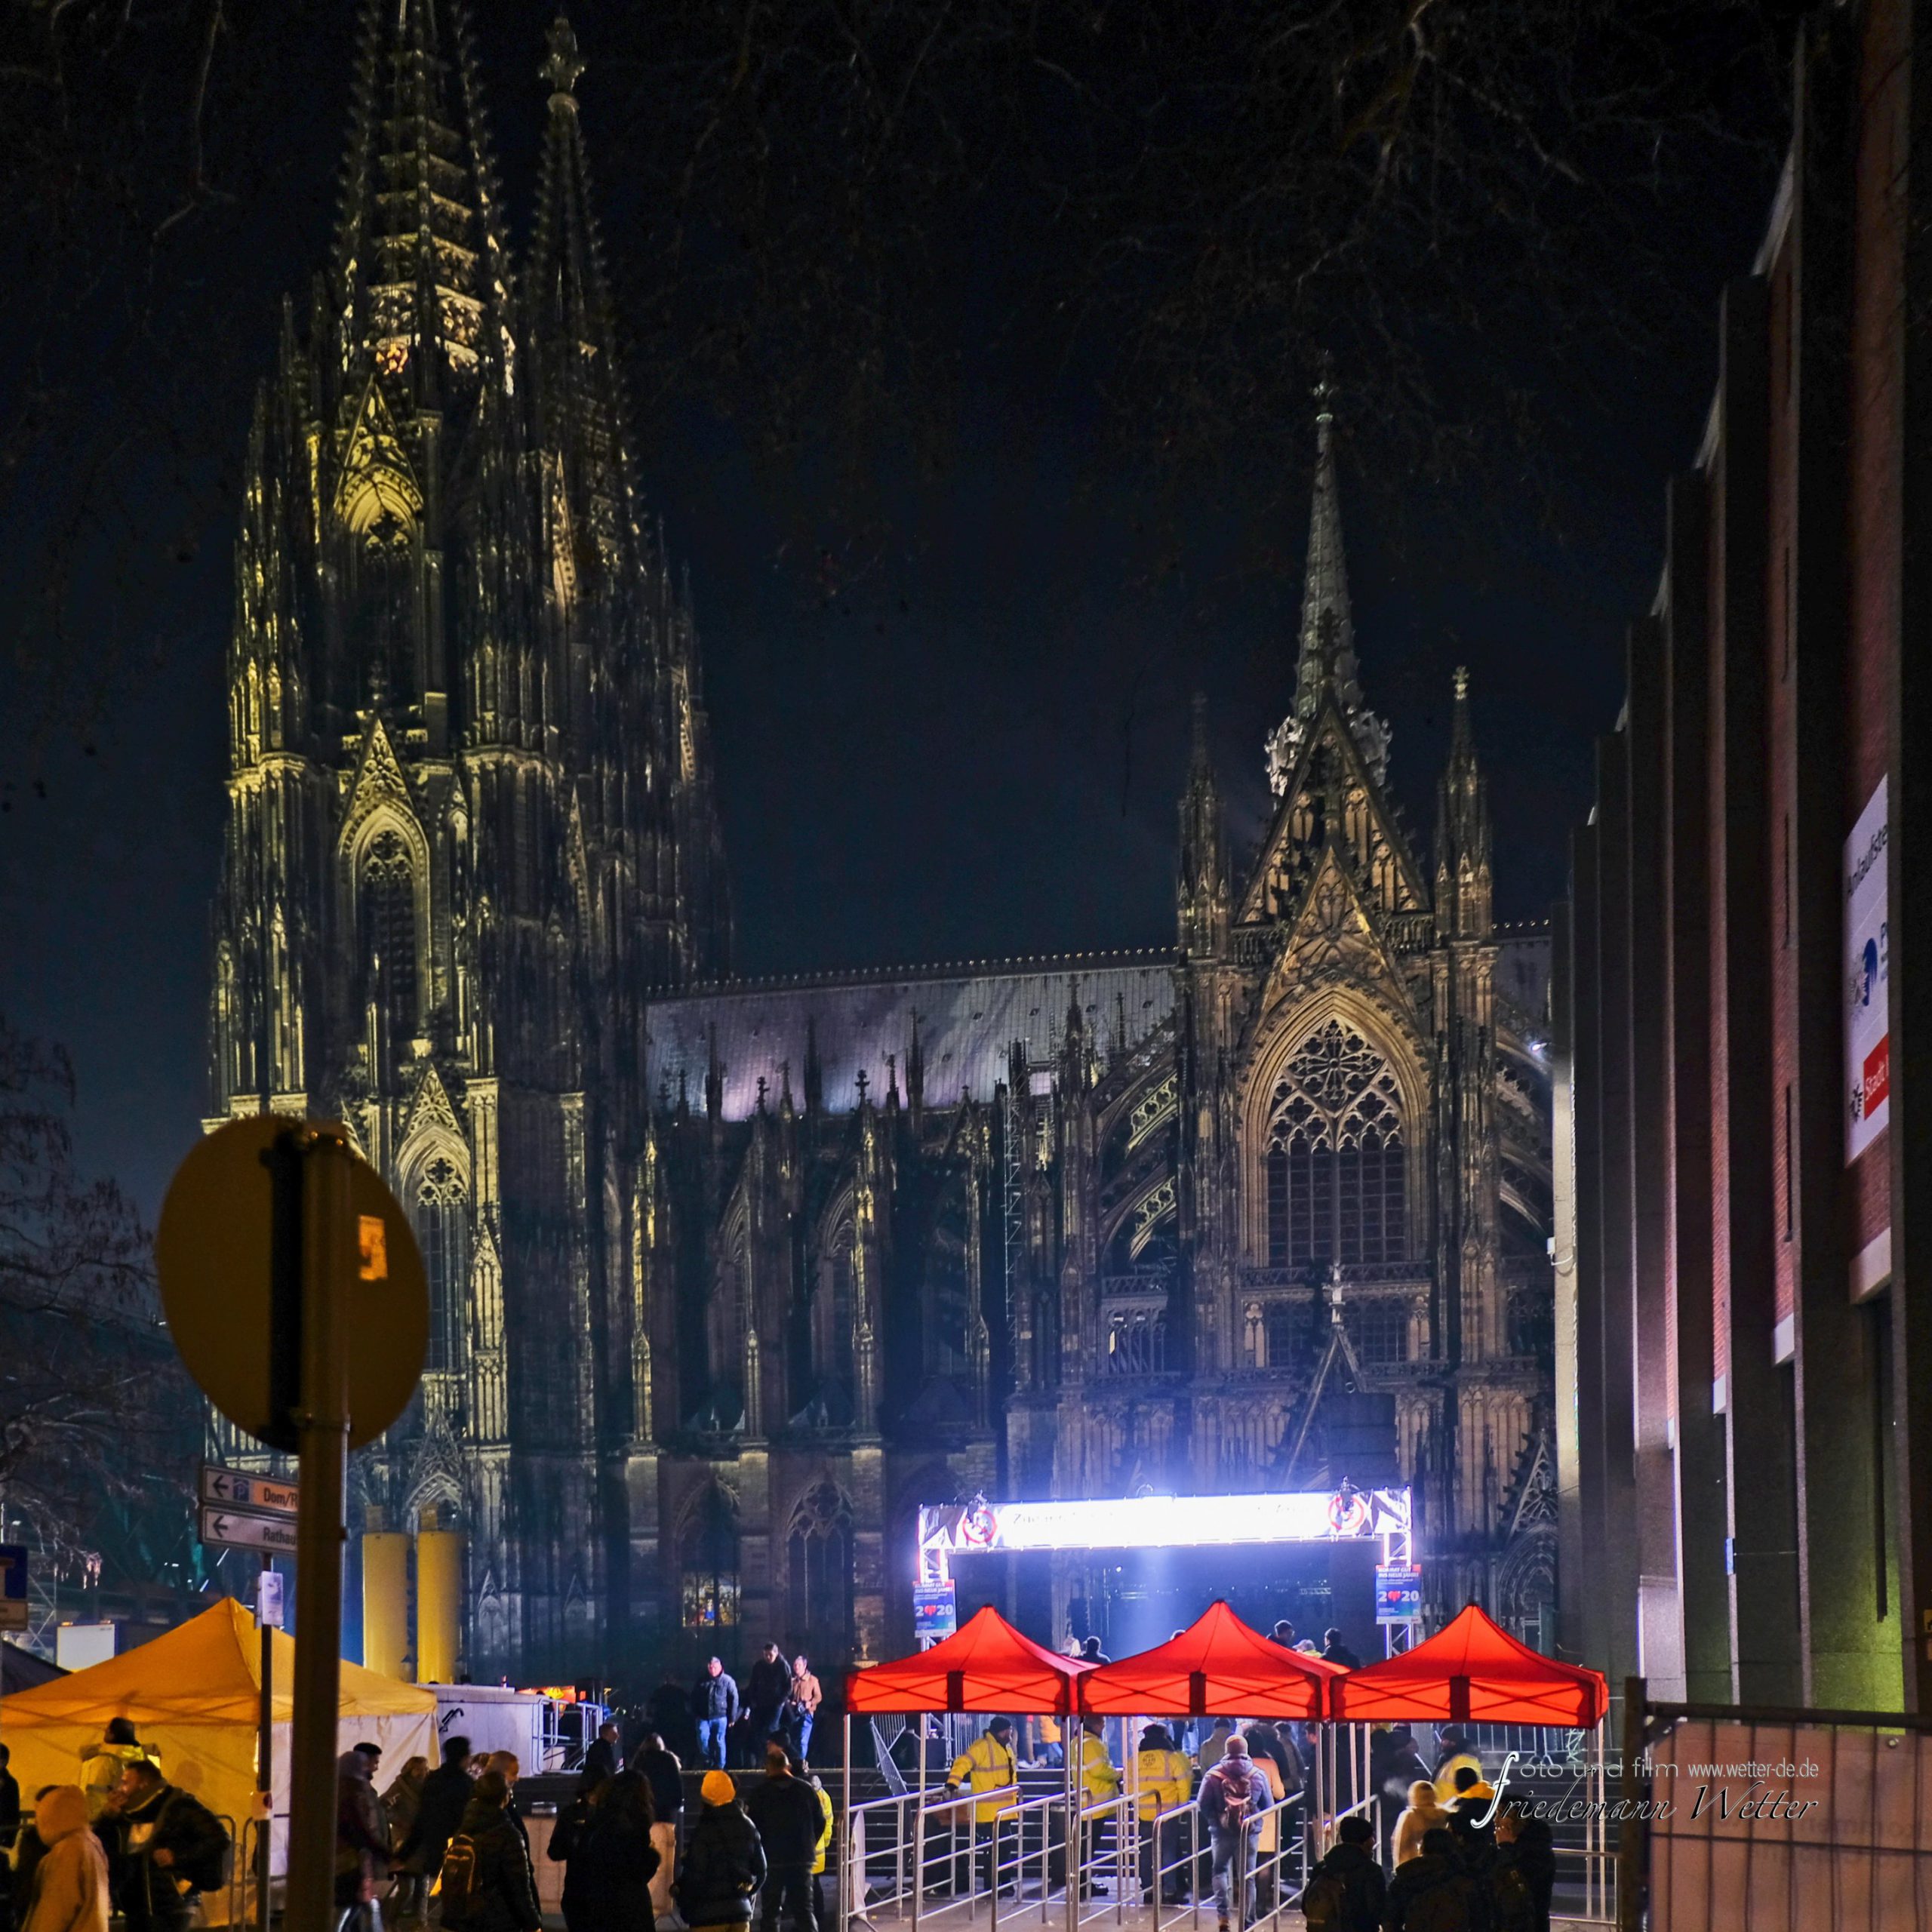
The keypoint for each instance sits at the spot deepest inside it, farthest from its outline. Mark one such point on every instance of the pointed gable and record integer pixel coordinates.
(377, 494)
(378, 785)
(430, 1109)
(1331, 796)
(1337, 936)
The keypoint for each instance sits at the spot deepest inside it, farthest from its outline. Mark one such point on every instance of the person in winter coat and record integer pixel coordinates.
(802, 1708)
(1345, 1893)
(602, 1760)
(486, 1880)
(617, 1859)
(822, 1850)
(1434, 1891)
(724, 1862)
(1424, 1815)
(400, 1803)
(785, 1811)
(1268, 1839)
(361, 1837)
(767, 1686)
(1469, 1819)
(1524, 1847)
(715, 1704)
(576, 1818)
(659, 1765)
(69, 1891)
(171, 1847)
(28, 1849)
(1234, 1799)
(446, 1793)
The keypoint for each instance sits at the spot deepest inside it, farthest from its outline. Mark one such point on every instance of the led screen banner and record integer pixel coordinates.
(1162, 1522)
(1868, 1047)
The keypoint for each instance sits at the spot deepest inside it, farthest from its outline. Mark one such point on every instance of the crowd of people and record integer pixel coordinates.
(120, 1839)
(721, 1726)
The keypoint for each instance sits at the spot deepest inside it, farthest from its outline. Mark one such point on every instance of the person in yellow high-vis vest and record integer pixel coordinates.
(989, 1769)
(1166, 1779)
(1100, 1780)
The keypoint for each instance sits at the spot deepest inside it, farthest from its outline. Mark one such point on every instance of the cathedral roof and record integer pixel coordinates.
(969, 1015)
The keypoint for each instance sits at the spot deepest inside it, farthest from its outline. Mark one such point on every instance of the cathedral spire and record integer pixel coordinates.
(1462, 877)
(1203, 884)
(1327, 643)
(420, 251)
(1325, 662)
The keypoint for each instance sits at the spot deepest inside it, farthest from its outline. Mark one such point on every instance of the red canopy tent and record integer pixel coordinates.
(986, 1665)
(1470, 1672)
(1218, 1666)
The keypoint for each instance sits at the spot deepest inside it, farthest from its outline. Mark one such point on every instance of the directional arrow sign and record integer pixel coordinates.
(266, 1496)
(229, 1529)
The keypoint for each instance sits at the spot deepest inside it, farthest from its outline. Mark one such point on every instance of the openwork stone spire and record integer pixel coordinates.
(1326, 656)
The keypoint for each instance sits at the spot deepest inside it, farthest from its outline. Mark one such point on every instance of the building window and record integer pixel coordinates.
(442, 1234)
(389, 925)
(1335, 1172)
(708, 1565)
(818, 1566)
(1380, 1331)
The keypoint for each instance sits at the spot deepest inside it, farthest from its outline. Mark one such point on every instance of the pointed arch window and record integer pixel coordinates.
(441, 1219)
(1335, 1165)
(388, 912)
(818, 1565)
(708, 1565)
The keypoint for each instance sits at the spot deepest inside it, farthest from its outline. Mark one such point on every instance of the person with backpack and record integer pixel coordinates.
(617, 1860)
(171, 1848)
(485, 1883)
(1234, 1797)
(1436, 1893)
(69, 1890)
(1346, 1891)
(658, 1763)
(724, 1862)
(785, 1810)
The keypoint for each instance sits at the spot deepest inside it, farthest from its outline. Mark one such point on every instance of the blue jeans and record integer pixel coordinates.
(1221, 1842)
(805, 1735)
(711, 1742)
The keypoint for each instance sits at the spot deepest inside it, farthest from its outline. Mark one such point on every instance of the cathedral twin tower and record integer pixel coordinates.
(727, 1278)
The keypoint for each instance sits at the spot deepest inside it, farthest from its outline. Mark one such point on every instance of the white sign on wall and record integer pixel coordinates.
(1868, 1060)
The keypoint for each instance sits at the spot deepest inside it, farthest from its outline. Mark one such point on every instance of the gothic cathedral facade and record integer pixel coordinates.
(729, 1277)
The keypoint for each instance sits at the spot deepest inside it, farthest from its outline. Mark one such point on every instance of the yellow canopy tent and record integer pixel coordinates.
(195, 1696)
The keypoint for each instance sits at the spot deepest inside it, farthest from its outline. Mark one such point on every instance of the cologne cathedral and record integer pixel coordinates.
(728, 1278)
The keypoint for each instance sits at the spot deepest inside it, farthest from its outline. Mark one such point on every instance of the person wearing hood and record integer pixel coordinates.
(1438, 1875)
(361, 1835)
(486, 1882)
(1424, 1815)
(724, 1861)
(665, 1775)
(69, 1890)
(400, 1803)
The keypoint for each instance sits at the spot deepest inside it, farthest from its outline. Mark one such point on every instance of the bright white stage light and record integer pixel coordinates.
(1163, 1522)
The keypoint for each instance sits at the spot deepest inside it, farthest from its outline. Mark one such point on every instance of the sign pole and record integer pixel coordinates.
(265, 1750)
(329, 1265)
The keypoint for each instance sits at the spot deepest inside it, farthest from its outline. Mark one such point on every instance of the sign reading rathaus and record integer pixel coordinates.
(727, 1278)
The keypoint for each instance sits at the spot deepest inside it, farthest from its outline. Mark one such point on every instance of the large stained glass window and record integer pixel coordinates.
(1334, 1167)
(389, 925)
(442, 1234)
(708, 1565)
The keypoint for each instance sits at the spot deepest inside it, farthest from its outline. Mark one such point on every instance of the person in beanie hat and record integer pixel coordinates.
(723, 1862)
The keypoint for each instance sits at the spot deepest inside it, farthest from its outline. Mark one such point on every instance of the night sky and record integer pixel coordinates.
(948, 672)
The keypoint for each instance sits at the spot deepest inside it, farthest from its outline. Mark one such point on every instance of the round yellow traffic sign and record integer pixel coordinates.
(228, 1255)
